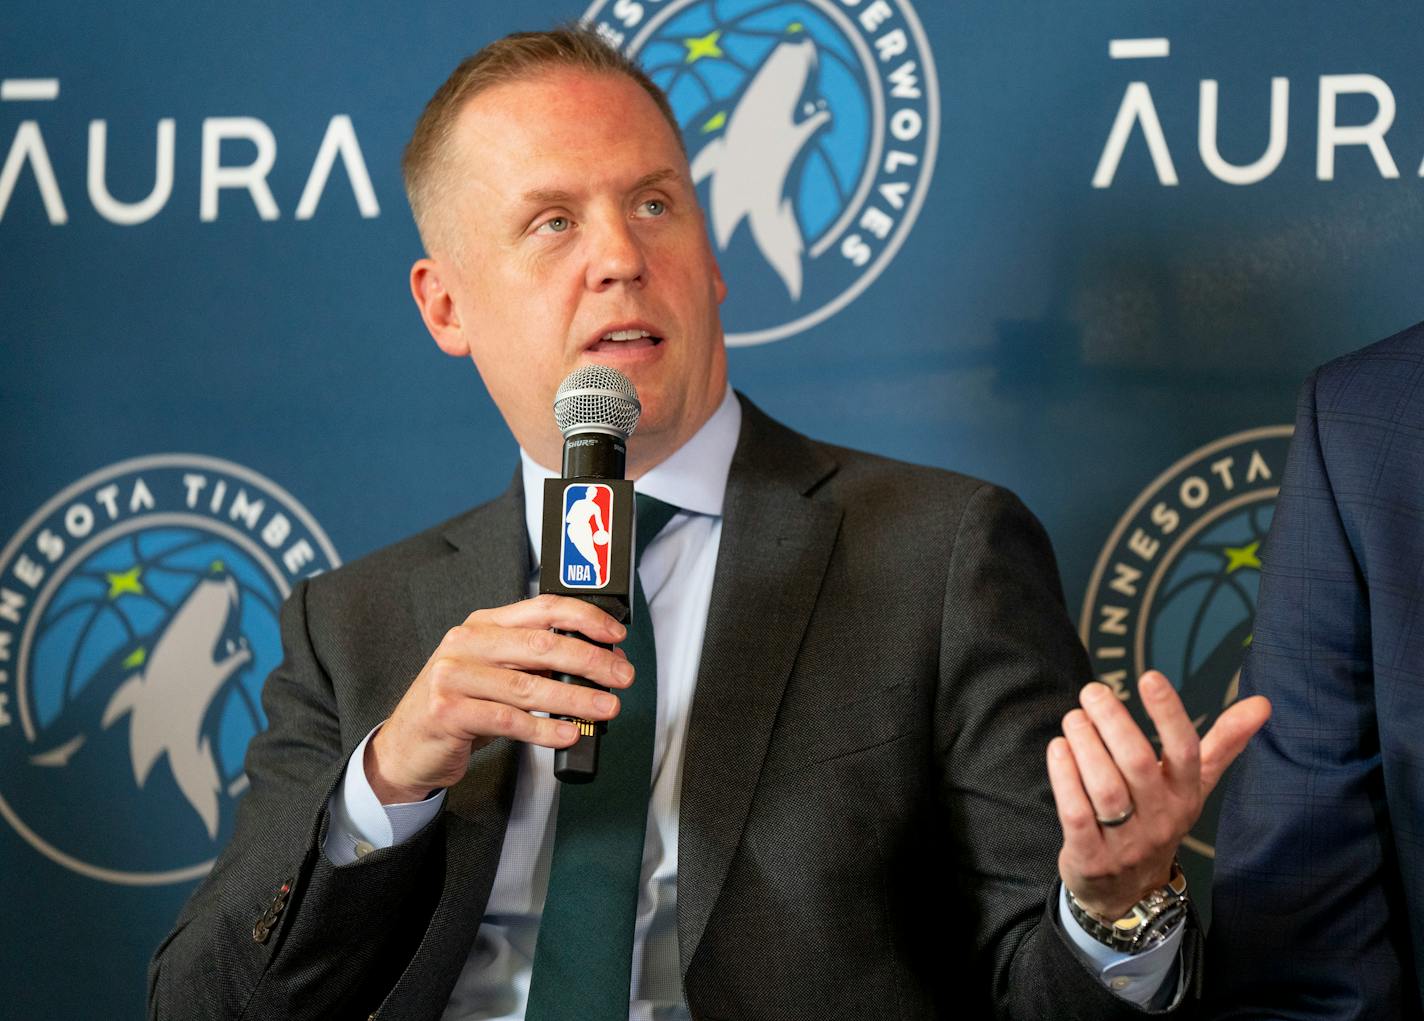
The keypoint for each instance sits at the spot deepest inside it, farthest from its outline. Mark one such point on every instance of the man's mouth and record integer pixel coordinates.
(625, 340)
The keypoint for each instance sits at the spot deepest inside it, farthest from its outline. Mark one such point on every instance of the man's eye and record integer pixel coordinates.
(555, 225)
(655, 207)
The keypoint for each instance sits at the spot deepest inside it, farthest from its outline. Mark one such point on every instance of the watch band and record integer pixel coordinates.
(1146, 923)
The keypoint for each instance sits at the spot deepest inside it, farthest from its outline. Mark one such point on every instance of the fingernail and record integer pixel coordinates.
(1152, 684)
(1093, 692)
(1057, 750)
(618, 631)
(623, 670)
(605, 703)
(566, 731)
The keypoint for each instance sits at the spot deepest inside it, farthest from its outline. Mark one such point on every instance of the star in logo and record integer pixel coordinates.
(125, 581)
(1238, 557)
(703, 46)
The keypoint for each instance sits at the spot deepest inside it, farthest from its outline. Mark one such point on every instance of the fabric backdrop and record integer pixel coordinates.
(1086, 250)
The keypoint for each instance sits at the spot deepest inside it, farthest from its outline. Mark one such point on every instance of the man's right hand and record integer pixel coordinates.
(486, 680)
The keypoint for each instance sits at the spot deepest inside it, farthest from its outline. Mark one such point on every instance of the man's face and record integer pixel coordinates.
(576, 238)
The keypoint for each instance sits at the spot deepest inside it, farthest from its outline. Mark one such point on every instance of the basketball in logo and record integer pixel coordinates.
(138, 621)
(1175, 587)
(812, 133)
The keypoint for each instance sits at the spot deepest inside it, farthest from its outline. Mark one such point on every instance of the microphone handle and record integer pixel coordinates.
(578, 763)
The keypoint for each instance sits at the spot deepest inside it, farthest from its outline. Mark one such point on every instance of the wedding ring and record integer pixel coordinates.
(1117, 820)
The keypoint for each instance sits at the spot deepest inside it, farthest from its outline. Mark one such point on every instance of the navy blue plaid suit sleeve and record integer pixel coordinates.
(1320, 852)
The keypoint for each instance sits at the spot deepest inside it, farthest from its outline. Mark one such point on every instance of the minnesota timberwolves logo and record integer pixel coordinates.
(138, 620)
(1175, 586)
(812, 135)
(588, 522)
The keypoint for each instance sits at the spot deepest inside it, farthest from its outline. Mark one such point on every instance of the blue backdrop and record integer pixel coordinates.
(1086, 250)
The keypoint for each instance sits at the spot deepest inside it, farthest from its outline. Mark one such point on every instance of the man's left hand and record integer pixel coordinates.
(1124, 810)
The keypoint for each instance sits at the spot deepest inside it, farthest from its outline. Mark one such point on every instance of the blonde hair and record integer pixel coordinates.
(518, 57)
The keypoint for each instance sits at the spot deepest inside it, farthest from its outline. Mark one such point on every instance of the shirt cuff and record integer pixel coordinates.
(360, 823)
(1136, 978)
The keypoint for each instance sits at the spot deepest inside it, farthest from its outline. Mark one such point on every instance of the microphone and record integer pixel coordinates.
(587, 542)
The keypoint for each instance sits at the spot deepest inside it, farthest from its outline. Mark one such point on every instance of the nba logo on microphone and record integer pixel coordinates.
(588, 523)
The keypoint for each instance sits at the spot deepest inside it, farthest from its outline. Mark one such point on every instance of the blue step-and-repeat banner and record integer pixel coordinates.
(1084, 249)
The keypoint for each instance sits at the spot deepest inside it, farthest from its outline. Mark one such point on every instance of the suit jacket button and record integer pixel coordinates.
(268, 920)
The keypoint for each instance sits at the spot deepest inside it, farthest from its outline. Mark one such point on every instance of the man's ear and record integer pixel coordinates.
(719, 285)
(437, 307)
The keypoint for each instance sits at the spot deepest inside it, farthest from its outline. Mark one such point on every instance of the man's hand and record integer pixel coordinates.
(1106, 769)
(486, 680)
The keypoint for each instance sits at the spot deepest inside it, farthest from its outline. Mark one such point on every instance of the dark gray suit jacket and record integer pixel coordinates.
(866, 825)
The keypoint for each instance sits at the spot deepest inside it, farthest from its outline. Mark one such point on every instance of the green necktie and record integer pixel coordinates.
(583, 961)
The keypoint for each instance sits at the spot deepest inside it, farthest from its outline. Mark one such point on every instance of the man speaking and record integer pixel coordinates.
(846, 679)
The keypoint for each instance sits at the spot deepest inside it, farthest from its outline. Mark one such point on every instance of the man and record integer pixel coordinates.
(847, 749)
(1318, 897)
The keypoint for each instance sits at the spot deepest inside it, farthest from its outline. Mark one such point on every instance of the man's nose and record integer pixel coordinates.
(616, 256)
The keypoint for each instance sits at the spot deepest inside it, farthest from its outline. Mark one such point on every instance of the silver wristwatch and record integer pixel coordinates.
(1145, 925)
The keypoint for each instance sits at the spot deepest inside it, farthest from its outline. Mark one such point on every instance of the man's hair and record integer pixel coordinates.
(515, 58)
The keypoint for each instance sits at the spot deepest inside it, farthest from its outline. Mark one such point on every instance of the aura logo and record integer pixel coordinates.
(1175, 585)
(138, 620)
(28, 149)
(812, 127)
(1332, 93)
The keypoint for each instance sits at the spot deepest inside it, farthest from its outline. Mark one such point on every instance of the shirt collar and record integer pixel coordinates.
(694, 477)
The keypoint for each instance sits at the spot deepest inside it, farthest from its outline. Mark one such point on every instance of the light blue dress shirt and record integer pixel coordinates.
(495, 981)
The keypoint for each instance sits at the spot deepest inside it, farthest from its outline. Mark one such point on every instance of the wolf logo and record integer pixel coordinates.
(806, 124)
(750, 162)
(195, 653)
(141, 659)
(169, 698)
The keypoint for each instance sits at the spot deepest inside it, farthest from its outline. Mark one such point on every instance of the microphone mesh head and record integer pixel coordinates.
(598, 399)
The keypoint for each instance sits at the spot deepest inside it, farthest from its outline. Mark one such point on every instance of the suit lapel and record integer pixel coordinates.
(488, 565)
(776, 543)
